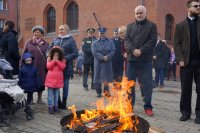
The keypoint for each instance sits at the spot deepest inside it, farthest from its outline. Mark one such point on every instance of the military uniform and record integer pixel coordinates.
(103, 69)
(88, 59)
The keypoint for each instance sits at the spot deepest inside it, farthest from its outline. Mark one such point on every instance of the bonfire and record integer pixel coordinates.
(115, 113)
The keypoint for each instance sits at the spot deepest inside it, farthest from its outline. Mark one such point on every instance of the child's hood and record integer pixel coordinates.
(27, 55)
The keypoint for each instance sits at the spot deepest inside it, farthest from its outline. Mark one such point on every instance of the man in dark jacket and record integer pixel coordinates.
(187, 51)
(140, 40)
(88, 59)
(159, 62)
(118, 58)
(9, 46)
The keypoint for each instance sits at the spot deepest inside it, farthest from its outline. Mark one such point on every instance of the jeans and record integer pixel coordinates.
(53, 94)
(145, 73)
(159, 76)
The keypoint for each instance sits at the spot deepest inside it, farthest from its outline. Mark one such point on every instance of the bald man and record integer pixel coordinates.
(141, 37)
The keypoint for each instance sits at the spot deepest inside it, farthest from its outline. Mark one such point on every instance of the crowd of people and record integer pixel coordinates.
(133, 51)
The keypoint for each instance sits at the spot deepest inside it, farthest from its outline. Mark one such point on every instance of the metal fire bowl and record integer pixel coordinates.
(143, 126)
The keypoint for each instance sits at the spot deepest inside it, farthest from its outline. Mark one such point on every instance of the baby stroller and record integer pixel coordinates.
(12, 96)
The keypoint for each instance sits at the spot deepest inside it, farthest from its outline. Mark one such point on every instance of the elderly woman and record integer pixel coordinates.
(68, 44)
(38, 47)
(9, 46)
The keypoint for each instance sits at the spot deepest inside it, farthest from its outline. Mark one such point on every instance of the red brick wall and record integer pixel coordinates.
(111, 14)
(11, 13)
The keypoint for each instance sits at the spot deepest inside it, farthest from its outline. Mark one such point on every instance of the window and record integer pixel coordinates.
(3, 4)
(51, 20)
(72, 16)
(169, 25)
(1, 24)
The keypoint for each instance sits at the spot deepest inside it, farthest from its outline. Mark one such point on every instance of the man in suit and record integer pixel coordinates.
(187, 51)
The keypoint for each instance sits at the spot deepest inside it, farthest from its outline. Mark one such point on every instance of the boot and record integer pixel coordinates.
(64, 103)
(59, 103)
(56, 110)
(29, 113)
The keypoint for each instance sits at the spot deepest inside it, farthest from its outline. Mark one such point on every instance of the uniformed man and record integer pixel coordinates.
(88, 59)
(103, 50)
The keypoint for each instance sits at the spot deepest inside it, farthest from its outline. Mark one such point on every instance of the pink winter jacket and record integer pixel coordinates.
(54, 78)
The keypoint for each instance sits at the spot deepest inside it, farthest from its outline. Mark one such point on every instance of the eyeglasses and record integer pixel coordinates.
(28, 60)
(196, 6)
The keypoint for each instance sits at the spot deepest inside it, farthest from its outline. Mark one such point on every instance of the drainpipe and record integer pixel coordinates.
(17, 16)
(142, 2)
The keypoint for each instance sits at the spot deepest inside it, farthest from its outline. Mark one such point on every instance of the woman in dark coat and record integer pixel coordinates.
(68, 44)
(9, 46)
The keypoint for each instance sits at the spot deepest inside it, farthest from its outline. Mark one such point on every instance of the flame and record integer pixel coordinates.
(118, 105)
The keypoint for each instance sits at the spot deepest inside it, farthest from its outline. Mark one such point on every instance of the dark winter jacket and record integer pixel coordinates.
(69, 47)
(159, 52)
(143, 36)
(9, 49)
(28, 76)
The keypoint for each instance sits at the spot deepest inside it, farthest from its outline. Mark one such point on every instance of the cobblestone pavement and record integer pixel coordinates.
(165, 102)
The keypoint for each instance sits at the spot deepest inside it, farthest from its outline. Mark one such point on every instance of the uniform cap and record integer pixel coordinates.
(90, 30)
(102, 29)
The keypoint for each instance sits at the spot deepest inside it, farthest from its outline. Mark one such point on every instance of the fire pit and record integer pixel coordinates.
(142, 127)
(113, 114)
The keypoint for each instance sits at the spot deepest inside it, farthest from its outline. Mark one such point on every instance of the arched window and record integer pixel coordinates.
(169, 26)
(72, 16)
(51, 20)
(3, 4)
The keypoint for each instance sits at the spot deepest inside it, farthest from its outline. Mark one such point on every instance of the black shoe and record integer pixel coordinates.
(86, 88)
(184, 118)
(197, 120)
(99, 95)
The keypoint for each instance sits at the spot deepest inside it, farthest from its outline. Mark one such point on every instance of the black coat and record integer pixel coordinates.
(10, 50)
(143, 36)
(159, 52)
(118, 59)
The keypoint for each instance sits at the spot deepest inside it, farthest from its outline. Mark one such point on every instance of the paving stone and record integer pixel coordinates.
(165, 102)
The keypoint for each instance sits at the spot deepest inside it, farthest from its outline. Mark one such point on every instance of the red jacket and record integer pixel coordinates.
(54, 78)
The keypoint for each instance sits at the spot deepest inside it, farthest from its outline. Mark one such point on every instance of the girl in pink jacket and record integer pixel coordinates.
(54, 79)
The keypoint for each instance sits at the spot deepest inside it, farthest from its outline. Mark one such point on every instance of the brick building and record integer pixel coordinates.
(8, 10)
(79, 15)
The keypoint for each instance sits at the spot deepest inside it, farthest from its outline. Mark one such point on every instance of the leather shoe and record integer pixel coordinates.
(99, 95)
(197, 120)
(184, 118)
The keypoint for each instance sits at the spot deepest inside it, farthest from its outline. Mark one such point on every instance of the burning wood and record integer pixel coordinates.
(117, 115)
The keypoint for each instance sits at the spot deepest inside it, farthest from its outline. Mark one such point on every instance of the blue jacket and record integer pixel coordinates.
(69, 47)
(28, 78)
